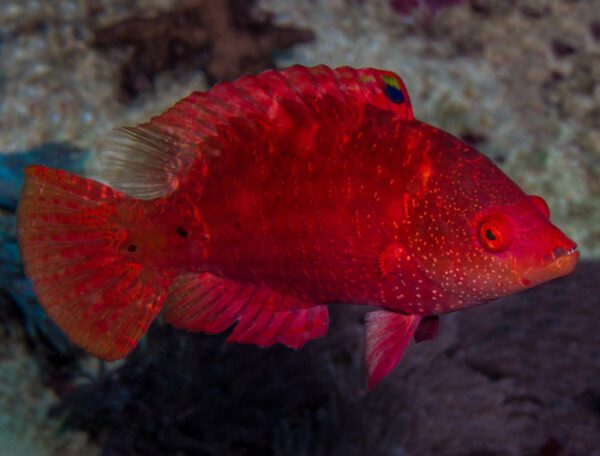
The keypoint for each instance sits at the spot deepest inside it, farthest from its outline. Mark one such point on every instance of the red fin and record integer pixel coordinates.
(379, 88)
(68, 238)
(292, 328)
(314, 91)
(210, 304)
(388, 336)
(205, 303)
(428, 329)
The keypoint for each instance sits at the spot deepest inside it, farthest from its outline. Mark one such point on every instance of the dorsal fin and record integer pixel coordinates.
(145, 161)
(152, 159)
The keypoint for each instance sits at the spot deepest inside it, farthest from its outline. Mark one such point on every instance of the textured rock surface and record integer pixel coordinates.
(55, 87)
(225, 39)
(25, 429)
(516, 377)
(520, 378)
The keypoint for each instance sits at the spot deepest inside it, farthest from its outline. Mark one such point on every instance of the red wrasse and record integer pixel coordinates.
(264, 199)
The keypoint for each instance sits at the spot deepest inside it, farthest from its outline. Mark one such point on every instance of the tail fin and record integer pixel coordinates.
(71, 244)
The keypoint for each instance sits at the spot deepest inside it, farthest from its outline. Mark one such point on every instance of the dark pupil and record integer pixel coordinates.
(182, 232)
(490, 235)
(131, 248)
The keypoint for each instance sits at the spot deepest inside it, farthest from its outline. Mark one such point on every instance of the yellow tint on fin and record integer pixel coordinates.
(392, 81)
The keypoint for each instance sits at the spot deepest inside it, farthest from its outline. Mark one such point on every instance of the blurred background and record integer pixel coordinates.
(518, 79)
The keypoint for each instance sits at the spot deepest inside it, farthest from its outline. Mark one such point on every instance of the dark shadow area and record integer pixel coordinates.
(516, 377)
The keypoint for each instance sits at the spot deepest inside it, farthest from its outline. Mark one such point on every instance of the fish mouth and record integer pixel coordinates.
(559, 263)
(564, 258)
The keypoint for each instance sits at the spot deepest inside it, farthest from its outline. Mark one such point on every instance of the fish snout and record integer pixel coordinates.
(559, 262)
(564, 259)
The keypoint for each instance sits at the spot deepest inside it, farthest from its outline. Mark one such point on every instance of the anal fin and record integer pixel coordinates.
(292, 328)
(388, 337)
(210, 304)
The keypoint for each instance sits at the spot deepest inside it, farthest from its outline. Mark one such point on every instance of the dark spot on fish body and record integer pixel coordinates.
(131, 248)
(182, 232)
(394, 94)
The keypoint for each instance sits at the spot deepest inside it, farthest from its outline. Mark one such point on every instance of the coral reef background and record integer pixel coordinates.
(519, 79)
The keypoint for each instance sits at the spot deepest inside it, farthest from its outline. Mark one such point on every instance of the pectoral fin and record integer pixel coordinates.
(388, 336)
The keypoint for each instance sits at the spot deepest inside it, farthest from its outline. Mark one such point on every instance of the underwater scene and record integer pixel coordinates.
(292, 263)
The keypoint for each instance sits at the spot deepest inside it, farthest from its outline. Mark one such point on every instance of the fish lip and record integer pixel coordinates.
(562, 263)
(565, 252)
(571, 256)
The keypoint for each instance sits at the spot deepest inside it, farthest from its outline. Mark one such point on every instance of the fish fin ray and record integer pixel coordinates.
(388, 337)
(206, 303)
(103, 302)
(149, 160)
(321, 91)
(292, 328)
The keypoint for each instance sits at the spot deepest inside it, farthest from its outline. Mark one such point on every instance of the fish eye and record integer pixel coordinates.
(541, 204)
(496, 233)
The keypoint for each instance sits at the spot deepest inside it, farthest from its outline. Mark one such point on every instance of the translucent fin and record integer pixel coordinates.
(147, 161)
(388, 337)
(68, 238)
(152, 159)
(210, 304)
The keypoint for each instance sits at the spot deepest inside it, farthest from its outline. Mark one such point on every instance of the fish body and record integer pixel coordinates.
(263, 200)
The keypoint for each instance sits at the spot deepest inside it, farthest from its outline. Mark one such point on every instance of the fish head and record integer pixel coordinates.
(477, 235)
(515, 246)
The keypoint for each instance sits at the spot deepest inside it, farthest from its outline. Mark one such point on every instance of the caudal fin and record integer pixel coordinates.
(71, 244)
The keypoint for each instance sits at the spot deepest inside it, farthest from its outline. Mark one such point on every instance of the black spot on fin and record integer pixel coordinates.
(394, 94)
